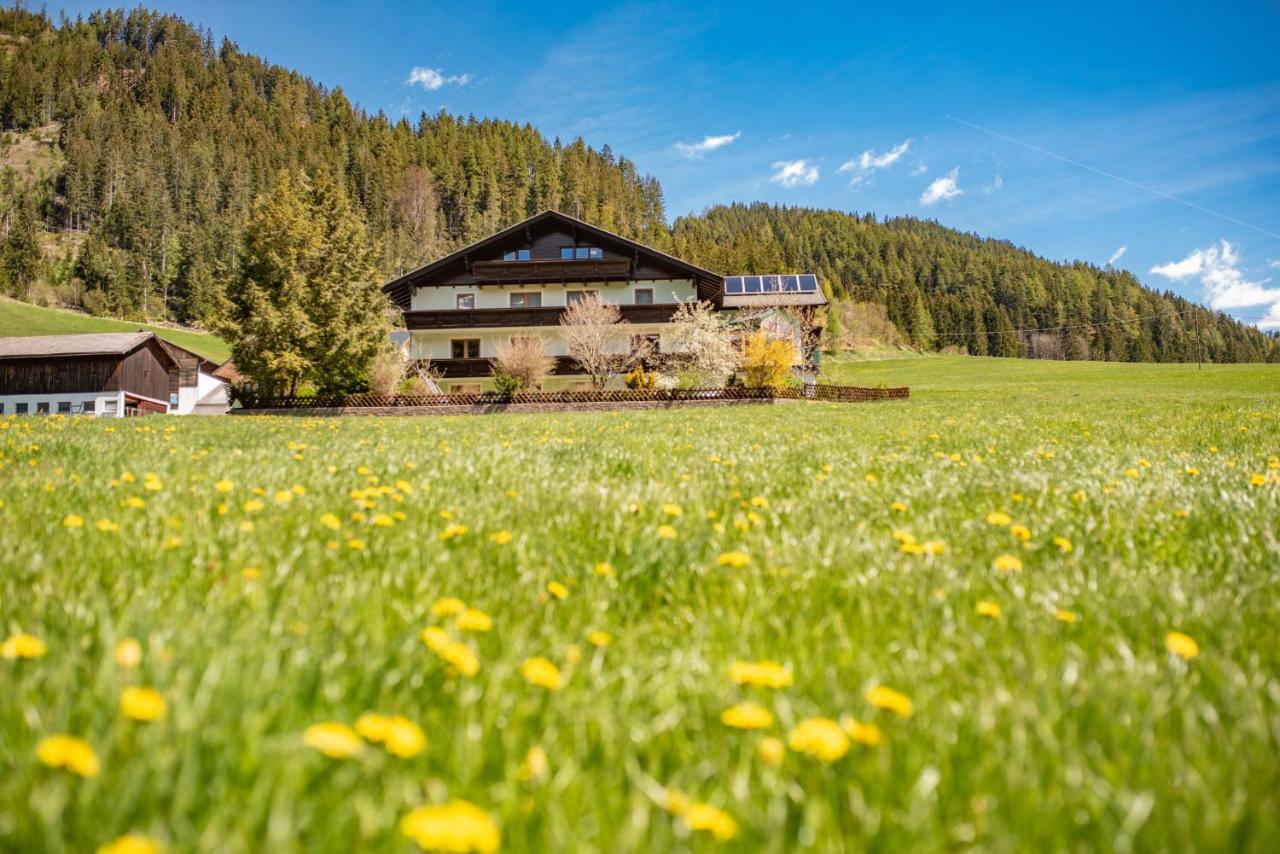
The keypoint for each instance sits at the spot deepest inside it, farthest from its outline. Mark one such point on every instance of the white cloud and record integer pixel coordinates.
(1117, 255)
(694, 150)
(432, 79)
(942, 188)
(1274, 263)
(794, 173)
(919, 170)
(993, 186)
(869, 161)
(1223, 285)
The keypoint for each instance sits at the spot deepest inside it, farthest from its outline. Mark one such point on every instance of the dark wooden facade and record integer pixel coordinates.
(544, 237)
(145, 372)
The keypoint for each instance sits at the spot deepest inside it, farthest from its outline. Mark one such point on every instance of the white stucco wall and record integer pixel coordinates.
(499, 296)
(190, 396)
(102, 403)
(436, 344)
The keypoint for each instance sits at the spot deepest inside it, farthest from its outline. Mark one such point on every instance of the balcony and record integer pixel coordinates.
(470, 318)
(453, 369)
(568, 270)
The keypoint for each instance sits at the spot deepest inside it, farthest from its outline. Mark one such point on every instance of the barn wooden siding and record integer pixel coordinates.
(144, 372)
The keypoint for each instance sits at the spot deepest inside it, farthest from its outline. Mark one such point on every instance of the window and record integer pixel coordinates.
(573, 297)
(465, 348)
(466, 300)
(42, 407)
(90, 407)
(64, 407)
(110, 406)
(526, 299)
(516, 255)
(580, 253)
(19, 409)
(644, 296)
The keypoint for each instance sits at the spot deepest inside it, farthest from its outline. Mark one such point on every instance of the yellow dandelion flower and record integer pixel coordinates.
(135, 502)
(1183, 646)
(1008, 563)
(333, 739)
(224, 486)
(448, 606)
(500, 537)
(933, 547)
(474, 620)
(133, 843)
(903, 536)
(987, 609)
(458, 827)
(435, 638)
(762, 674)
(404, 738)
(106, 526)
(736, 559)
(535, 764)
(382, 520)
(355, 544)
(373, 727)
(599, 638)
(771, 750)
(1020, 532)
(69, 752)
(998, 517)
(672, 510)
(253, 505)
(886, 698)
(869, 735)
(898, 507)
(23, 645)
(330, 521)
(541, 672)
(129, 653)
(1258, 480)
(71, 520)
(1064, 545)
(717, 822)
(869, 478)
(1064, 616)
(603, 570)
(666, 532)
(558, 590)
(142, 704)
(759, 501)
(820, 738)
(1130, 472)
(452, 531)
(747, 716)
(152, 484)
(1192, 471)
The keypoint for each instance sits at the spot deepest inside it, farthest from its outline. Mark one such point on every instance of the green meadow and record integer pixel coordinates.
(1066, 576)
(20, 318)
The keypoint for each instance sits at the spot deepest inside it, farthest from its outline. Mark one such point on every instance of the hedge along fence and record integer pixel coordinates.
(837, 393)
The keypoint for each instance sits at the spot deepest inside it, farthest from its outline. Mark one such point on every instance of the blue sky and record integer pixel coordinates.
(990, 120)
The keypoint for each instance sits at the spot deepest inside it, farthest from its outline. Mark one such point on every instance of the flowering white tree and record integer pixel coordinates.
(701, 339)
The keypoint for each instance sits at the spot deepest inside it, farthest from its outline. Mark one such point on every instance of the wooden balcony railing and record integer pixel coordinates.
(568, 270)
(470, 318)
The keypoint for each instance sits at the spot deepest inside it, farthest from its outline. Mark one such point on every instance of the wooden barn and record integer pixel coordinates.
(104, 374)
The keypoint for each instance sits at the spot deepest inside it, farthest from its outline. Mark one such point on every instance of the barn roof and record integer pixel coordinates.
(89, 344)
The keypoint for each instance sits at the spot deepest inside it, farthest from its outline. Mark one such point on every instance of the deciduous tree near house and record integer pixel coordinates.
(598, 339)
(524, 358)
(702, 341)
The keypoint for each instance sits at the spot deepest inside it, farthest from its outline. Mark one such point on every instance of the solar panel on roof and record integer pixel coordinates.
(733, 284)
(752, 284)
(808, 283)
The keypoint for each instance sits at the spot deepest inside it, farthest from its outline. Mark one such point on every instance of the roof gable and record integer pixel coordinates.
(545, 235)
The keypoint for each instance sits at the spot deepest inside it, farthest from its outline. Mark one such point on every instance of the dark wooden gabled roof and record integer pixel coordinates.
(401, 289)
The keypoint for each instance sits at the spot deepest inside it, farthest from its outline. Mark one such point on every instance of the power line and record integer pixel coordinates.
(1118, 178)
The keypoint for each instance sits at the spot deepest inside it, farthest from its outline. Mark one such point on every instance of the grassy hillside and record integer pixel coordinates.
(1067, 574)
(19, 318)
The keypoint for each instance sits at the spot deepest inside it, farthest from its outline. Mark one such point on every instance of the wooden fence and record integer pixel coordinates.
(838, 393)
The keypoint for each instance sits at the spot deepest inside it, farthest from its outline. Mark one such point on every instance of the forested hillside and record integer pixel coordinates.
(943, 288)
(160, 139)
